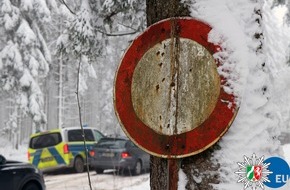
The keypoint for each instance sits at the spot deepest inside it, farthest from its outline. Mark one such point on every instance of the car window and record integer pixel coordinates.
(111, 143)
(45, 140)
(130, 144)
(98, 135)
(76, 135)
(2, 160)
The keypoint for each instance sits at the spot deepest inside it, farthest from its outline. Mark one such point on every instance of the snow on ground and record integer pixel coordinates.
(72, 181)
(10, 153)
(106, 181)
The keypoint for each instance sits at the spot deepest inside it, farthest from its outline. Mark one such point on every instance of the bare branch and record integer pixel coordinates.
(128, 27)
(109, 16)
(118, 34)
(63, 2)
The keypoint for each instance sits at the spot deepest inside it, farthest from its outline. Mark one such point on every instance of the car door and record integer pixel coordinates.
(7, 177)
(46, 150)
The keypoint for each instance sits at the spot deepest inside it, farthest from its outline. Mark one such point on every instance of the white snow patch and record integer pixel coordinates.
(259, 80)
(25, 33)
(182, 180)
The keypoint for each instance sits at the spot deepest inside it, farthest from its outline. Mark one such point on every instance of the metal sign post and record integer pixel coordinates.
(168, 94)
(173, 168)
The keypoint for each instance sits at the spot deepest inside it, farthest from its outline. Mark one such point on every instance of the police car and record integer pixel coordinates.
(62, 148)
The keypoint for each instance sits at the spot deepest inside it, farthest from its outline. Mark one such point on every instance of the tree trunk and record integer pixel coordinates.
(157, 10)
(199, 169)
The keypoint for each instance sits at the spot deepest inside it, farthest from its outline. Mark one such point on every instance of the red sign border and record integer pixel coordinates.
(174, 146)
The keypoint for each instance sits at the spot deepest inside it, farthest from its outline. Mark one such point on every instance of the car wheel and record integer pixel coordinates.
(31, 186)
(99, 170)
(137, 168)
(79, 165)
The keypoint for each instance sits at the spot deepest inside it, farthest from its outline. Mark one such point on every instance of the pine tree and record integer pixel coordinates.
(24, 59)
(87, 31)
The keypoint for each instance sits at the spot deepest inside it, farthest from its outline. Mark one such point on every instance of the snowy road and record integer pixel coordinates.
(107, 181)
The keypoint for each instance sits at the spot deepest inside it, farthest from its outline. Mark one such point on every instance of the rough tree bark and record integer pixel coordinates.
(199, 169)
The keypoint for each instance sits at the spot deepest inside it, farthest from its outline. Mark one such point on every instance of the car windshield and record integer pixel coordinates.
(45, 140)
(111, 143)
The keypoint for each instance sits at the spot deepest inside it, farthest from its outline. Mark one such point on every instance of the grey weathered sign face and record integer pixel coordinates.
(173, 91)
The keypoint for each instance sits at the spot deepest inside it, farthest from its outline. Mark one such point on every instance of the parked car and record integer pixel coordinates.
(62, 148)
(119, 154)
(16, 175)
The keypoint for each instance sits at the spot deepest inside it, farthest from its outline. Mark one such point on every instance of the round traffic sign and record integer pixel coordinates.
(168, 94)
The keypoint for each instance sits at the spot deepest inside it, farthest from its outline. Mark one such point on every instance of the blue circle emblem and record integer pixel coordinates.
(280, 169)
